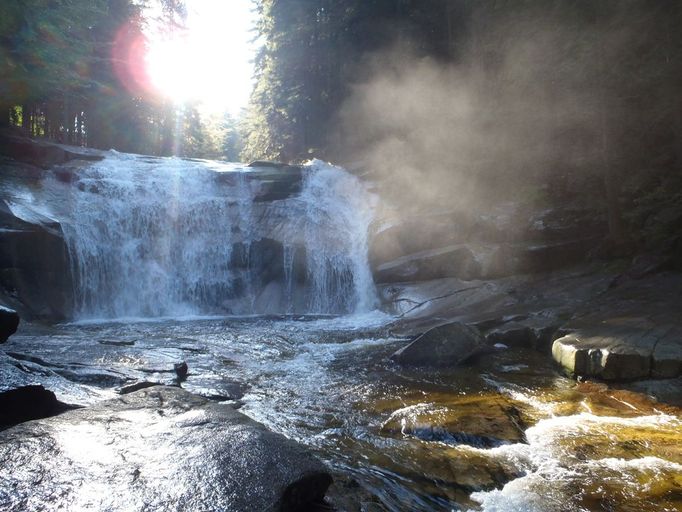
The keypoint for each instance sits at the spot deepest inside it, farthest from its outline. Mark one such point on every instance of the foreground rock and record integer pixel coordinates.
(156, 449)
(9, 322)
(445, 345)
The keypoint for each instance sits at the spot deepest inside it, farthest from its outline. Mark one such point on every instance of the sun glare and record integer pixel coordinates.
(210, 62)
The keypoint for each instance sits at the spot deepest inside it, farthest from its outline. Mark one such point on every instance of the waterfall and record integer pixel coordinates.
(151, 237)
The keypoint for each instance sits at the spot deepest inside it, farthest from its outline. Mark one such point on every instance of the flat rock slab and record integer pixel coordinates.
(156, 449)
(621, 348)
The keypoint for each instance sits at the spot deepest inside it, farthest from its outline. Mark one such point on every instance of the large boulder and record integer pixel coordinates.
(9, 322)
(451, 261)
(159, 449)
(445, 345)
(503, 242)
(621, 348)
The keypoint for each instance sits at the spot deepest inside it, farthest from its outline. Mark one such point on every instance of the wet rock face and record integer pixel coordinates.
(504, 242)
(42, 154)
(446, 345)
(276, 181)
(450, 261)
(35, 270)
(156, 449)
(9, 321)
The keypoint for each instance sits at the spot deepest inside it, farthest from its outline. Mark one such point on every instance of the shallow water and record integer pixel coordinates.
(507, 433)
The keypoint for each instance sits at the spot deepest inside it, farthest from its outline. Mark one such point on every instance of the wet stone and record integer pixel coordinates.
(479, 421)
(158, 449)
(445, 345)
(9, 322)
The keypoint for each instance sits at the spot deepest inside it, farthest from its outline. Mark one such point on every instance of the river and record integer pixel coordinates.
(506, 433)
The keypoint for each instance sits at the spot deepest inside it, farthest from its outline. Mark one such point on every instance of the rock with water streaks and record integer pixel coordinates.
(159, 449)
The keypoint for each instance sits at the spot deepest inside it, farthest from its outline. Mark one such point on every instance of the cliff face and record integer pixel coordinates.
(35, 271)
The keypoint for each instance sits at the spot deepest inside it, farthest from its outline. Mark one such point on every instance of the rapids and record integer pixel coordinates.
(494, 436)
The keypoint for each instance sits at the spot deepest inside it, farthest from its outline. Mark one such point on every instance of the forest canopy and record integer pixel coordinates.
(465, 97)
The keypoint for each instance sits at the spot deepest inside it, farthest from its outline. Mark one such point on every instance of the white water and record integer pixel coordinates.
(166, 237)
(555, 478)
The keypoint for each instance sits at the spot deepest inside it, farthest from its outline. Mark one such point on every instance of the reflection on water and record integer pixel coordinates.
(505, 434)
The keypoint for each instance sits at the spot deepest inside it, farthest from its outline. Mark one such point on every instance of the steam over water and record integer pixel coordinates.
(163, 237)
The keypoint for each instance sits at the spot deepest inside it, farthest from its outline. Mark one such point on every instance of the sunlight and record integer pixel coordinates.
(211, 61)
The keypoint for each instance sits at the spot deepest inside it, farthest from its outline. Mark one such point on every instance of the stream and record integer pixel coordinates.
(505, 433)
(259, 280)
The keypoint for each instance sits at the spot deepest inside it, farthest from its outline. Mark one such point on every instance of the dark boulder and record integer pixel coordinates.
(28, 403)
(159, 449)
(445, 345)
(9, 322)
(181, 370)
(35, 269)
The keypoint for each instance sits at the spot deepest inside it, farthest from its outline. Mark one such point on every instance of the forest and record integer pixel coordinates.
(71, 72)
(485, 96)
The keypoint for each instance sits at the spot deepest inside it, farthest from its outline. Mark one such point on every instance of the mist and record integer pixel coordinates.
(539, 104)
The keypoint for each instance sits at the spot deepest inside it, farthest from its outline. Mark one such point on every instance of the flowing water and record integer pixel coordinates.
(177, 241)
(505, 434)
(167, 237)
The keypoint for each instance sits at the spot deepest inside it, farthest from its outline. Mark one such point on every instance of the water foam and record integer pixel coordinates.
(552, 468)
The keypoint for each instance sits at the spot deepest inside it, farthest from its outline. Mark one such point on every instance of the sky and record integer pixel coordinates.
(212, 62)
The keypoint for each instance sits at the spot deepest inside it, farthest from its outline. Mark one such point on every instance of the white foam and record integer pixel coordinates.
(549, 465)
(153, 238)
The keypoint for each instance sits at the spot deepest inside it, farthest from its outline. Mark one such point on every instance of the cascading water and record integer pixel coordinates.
(156, 237)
